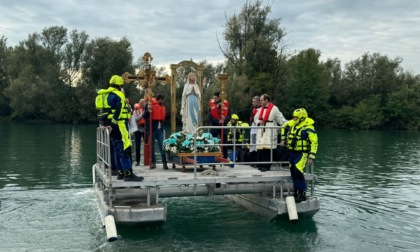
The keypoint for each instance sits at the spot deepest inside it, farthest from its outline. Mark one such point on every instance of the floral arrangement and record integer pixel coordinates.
(180, 142)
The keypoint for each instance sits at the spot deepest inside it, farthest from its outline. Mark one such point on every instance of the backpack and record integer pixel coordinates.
(100, 107)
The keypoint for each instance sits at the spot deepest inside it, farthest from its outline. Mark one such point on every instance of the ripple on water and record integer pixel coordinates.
(54, 219)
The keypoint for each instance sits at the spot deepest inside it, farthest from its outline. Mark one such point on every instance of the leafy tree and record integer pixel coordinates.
(105, 57)
(74, 54)
(307, 86)
(369, 75)
(254, 48)
(368, 113)
(4, 78)
(334, 72)
(37, 76)
(404, 105)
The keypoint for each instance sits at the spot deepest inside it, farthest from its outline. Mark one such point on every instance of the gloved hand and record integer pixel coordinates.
(114, 125)
(310, 161)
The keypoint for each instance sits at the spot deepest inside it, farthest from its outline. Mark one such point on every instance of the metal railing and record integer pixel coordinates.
(236, 146)
(103, 152)
(275, 131)
(103, 156)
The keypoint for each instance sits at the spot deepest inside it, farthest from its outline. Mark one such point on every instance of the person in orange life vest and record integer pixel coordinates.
(139, 134)
(219, 117)
(267, 115)
(252, 156)
(158, 118)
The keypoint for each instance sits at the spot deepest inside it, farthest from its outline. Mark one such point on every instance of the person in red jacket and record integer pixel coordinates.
(219, 114)
(158, 118)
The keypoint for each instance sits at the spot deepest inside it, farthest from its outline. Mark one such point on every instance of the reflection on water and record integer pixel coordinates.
(46, 155)
(368, 183)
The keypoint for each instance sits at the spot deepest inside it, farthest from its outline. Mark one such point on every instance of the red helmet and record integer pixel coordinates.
(136, 106)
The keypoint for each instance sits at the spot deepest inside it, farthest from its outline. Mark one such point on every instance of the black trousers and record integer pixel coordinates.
(138, 136)
(218, 133)
(264, 156)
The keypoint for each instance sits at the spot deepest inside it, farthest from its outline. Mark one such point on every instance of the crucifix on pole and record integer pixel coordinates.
(147, 78)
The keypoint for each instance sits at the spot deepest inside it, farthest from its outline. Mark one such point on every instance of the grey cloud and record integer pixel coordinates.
(176, 30)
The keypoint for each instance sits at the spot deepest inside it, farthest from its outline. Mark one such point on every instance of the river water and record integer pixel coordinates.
(368, 185)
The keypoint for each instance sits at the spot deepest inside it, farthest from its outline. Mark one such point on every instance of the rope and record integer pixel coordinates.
(209, 172)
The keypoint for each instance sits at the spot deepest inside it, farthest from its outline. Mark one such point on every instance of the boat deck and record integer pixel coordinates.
(222, 174)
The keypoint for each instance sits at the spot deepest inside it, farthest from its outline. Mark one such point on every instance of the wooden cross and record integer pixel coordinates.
(146, 78)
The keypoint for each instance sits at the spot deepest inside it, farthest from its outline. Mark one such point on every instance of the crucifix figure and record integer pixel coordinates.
(146, 77)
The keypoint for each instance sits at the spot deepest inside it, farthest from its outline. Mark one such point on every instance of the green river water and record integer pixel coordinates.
(368, 185)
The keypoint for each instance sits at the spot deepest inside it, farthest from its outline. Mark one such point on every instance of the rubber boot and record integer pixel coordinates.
(300, 196)
(120, 175)
(130, 176)
(165, 166)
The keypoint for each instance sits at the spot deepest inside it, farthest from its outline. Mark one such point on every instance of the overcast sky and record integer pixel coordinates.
(173, 31)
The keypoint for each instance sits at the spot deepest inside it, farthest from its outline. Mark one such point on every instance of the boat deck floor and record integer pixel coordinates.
(222, 174)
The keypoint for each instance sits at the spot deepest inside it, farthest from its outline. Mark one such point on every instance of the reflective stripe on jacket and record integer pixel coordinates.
(301, 137)
(240, 130)
(106, 107)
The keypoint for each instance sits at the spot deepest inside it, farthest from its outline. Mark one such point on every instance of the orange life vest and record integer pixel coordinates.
(140, 122)
(158, 111)
(216, 111)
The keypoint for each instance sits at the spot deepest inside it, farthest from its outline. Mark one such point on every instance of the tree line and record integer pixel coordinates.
(53, 75)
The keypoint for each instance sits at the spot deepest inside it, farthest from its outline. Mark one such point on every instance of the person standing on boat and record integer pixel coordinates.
(219, 114)
(302, 140)
(252, 156)
(236, 135)
(158, 118)
(104, 117)
(190, 105)
(139, 134)
(119, 114)
(267, 115)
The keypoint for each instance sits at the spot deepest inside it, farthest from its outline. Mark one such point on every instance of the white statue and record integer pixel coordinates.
(190, 105)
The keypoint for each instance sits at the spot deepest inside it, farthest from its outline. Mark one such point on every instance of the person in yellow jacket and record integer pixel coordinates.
(236, 136)
(117, 113)
(240, 130)
(301, 139)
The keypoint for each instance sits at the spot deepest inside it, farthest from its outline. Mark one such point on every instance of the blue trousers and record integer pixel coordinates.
(114, 164)
(122, 157)
(158, 135)
(297, 162)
